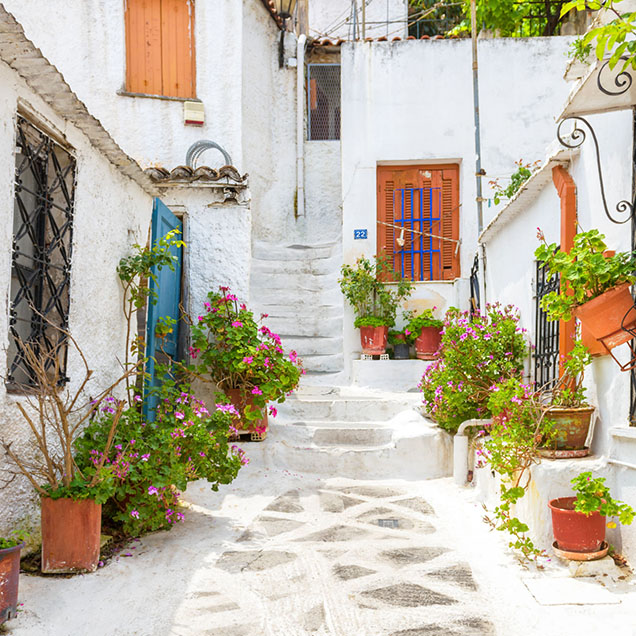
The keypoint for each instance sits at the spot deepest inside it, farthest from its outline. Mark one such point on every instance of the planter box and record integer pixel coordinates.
(373, 340)
(572, 426)
(9, 578)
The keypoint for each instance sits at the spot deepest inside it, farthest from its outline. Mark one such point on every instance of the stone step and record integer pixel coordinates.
(323, 363)
(311, 326)
(353, 409)
(307, 267)
(264, 296)
(313, 345)
(350, 436)
(268, 252)
(298, 281)
(301, 309)
(417, 450)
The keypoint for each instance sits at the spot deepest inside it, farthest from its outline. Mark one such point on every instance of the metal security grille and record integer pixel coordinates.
(323, 101)
(417, 232)
(474, 287)
(546, 353)
(41, 253)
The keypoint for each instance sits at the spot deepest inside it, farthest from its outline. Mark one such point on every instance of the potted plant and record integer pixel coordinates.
(594, 286)
(245, 361)
(568, 409)
(9, 575)
(400, 343)
(375, 292)
(579, 522)
(426, 332)
(71, 497)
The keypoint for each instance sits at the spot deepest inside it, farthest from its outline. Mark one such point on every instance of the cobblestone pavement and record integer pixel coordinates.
(355, 559)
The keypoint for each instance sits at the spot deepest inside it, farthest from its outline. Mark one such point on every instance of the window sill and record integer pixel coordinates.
(162, 97)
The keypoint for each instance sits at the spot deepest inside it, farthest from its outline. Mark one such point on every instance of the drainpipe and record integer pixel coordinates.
(460, 450)
(300, 126)
(478, 168)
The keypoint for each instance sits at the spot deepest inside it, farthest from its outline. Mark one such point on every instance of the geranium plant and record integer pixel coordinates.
(237, 352)
(374, 290)
(592, 495)
(569, 391)
(523, 172)
(585, 272)
(424, 319)
(152, 462)
(474, 355)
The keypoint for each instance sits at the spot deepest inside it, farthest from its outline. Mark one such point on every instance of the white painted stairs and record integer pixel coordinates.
(355, 433)
(297, 286)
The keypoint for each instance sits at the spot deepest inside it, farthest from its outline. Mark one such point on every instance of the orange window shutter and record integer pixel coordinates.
(386, 215)
(143, 46)
(450, 222)
(177, 48)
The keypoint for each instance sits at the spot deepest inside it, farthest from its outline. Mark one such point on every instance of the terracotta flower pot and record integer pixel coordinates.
(572, 426)
(373, 340)
(605, 316)
(576, 531)
(71, 533)
(9, 578)
(240, 401)
(428, 342)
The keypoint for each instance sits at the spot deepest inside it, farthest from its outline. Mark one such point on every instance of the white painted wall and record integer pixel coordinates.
(412, 102)
(150, 130)
(608, 388)
(334, 19)
(111, 213)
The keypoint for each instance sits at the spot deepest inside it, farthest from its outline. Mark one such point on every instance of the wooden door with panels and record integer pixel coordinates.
(418, 220)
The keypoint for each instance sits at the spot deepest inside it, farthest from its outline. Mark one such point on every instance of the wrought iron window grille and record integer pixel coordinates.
(546, 349)
(41, 255)
(323, 102)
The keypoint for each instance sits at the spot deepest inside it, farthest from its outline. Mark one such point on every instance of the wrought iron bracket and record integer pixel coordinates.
(623, 81)
(575, 140)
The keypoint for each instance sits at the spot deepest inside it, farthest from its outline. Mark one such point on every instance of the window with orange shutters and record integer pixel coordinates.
(160, 47)
(418, 220)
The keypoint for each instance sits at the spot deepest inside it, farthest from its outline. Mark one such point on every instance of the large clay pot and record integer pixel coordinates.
(428, 342)
(605, 316)
(576, 531)
(373, 340)
(572, 426)
(9, 577)
(240, 401)
(71, 533)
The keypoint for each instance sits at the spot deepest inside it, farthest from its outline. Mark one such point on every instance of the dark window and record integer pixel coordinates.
(546, 352)
(323, 106)
(41, 254)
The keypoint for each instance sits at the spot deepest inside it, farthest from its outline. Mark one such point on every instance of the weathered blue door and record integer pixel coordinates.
(168, 288)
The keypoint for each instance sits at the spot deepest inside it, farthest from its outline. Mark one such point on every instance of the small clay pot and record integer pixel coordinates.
(572, 426)
(240, 401)
(575, 531)
(373, 340)
(428, 342)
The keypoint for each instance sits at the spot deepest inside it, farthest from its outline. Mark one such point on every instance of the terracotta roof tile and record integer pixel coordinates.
(226, 175)
(384, 38)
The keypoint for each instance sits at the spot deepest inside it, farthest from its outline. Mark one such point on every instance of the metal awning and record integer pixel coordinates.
(601, 90)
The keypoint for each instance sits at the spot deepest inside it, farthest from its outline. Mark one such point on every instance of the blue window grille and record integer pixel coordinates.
(417, 225)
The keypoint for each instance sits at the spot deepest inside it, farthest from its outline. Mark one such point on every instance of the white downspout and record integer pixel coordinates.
(300, 126)
(460, 451)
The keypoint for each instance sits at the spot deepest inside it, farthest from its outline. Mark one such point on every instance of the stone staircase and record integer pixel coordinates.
(356, 433)
(297, 285)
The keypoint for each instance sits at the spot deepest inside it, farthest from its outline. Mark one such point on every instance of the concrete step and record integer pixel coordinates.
(314, 326)
(298, 281)
(312, 345)
(353, 436)
(264, 296)
(338, 407)
(323, 364)
(416, 450)
(268, 252)
(305, 266)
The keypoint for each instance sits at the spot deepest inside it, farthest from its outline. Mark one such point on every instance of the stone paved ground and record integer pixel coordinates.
(291, 555)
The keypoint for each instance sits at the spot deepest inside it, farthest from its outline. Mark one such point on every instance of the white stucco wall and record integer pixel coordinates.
(111, 213)
(334, 18)
(513, 244)
(412, 102)
(150, 130)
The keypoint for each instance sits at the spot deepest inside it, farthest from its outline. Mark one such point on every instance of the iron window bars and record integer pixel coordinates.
(323, 102)
(419, 222)
(41, 253)
(474, 300)
(546, 353)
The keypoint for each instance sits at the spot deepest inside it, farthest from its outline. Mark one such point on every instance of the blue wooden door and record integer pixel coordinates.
(168, 288)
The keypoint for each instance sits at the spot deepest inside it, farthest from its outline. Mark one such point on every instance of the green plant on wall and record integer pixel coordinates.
(374, 291)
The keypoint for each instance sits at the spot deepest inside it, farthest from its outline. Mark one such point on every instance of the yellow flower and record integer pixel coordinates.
(611, 524)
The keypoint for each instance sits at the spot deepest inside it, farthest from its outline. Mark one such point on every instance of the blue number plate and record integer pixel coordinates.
(359, 234)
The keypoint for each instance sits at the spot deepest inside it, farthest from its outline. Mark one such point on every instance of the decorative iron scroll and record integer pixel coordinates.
(576, 139)
(622, 81)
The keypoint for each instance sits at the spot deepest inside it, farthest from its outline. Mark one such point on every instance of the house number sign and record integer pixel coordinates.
(359, 234)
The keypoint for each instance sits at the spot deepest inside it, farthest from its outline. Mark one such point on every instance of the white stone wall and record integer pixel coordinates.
(334, 19)
(150, 130)
(510, 277)
(412, 103)
(111, 213)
